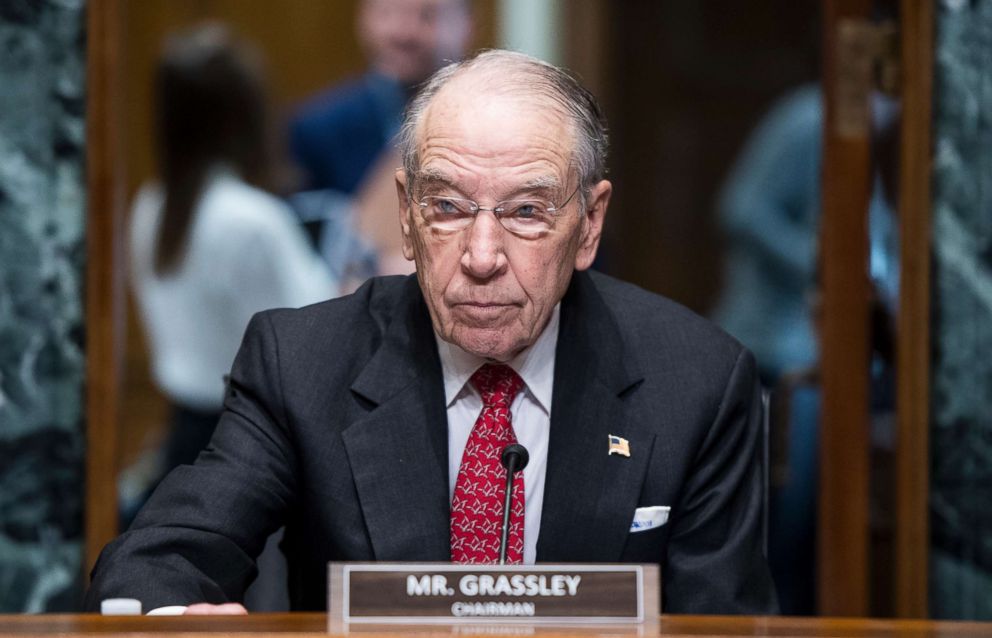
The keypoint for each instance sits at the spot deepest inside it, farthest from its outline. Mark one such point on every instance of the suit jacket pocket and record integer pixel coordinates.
(646, 547)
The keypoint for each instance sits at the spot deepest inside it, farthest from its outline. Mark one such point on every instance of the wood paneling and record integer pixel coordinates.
(842, 528)
(588, 46)
(686, 83)
(104, 286)
(913, 321)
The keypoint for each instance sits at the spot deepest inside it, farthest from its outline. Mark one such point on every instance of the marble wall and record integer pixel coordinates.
(961, 431)
(42, 221)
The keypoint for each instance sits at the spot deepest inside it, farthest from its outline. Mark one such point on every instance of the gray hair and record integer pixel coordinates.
(536, 77)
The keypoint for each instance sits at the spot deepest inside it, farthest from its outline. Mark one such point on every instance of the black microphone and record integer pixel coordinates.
(514, 458)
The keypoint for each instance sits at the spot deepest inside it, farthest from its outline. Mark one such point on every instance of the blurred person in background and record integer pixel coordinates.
(770, 211)
(337, 136)
(341, 139)
(209, 247)
(770, 207)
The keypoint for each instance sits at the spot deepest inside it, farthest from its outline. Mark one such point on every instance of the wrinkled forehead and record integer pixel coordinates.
(489, 122)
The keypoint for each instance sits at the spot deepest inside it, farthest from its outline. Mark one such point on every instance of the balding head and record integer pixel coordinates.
(516, 75)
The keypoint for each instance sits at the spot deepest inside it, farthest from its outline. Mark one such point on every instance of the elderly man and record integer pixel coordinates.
(371, 425)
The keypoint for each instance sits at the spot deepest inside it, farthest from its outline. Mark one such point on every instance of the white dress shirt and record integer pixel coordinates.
(530, 415)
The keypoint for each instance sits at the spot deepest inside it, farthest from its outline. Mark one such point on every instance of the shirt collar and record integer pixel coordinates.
(535, 365)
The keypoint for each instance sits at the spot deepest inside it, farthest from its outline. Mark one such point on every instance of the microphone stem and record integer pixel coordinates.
(511, 470)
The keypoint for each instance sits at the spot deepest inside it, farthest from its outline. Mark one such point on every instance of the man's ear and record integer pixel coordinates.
(592, 223)
(406, 218)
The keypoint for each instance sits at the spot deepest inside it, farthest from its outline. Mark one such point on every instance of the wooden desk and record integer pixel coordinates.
(316, 625)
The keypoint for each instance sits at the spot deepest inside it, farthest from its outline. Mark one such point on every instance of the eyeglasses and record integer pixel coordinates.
(527, 218)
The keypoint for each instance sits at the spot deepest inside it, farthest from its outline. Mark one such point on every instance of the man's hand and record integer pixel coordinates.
(206, 609)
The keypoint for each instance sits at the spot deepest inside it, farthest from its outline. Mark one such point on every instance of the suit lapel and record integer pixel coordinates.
(398, 451)
(590, 496)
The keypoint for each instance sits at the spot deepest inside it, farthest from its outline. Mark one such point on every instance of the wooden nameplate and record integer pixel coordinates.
(446, 593)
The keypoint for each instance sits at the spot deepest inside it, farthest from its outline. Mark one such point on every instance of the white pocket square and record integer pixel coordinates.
(646, 518)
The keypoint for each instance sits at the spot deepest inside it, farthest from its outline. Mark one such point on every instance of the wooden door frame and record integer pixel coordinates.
(842, 527)
(104, 273)
(913, 350)
(845, 475)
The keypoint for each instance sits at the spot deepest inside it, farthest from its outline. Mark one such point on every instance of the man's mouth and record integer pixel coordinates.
(483, 311)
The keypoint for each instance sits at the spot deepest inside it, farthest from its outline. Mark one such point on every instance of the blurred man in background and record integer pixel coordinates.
(337, 136)
(340, 139)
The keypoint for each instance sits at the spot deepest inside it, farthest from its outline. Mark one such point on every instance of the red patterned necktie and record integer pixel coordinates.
(477, 505)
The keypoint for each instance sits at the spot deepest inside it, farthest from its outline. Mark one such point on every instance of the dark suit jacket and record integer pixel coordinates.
(335, 425)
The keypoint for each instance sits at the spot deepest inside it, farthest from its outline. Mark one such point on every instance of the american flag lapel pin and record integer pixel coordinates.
(618, 445)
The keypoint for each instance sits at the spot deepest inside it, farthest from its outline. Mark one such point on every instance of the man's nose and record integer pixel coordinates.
(483, 256)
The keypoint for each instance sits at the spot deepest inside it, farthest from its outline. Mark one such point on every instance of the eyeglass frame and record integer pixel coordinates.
(499, 207)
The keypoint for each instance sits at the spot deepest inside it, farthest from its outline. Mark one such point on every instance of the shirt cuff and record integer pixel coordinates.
(171, 610)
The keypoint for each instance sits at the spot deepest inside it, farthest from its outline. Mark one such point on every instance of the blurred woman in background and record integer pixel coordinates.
(209, 246)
